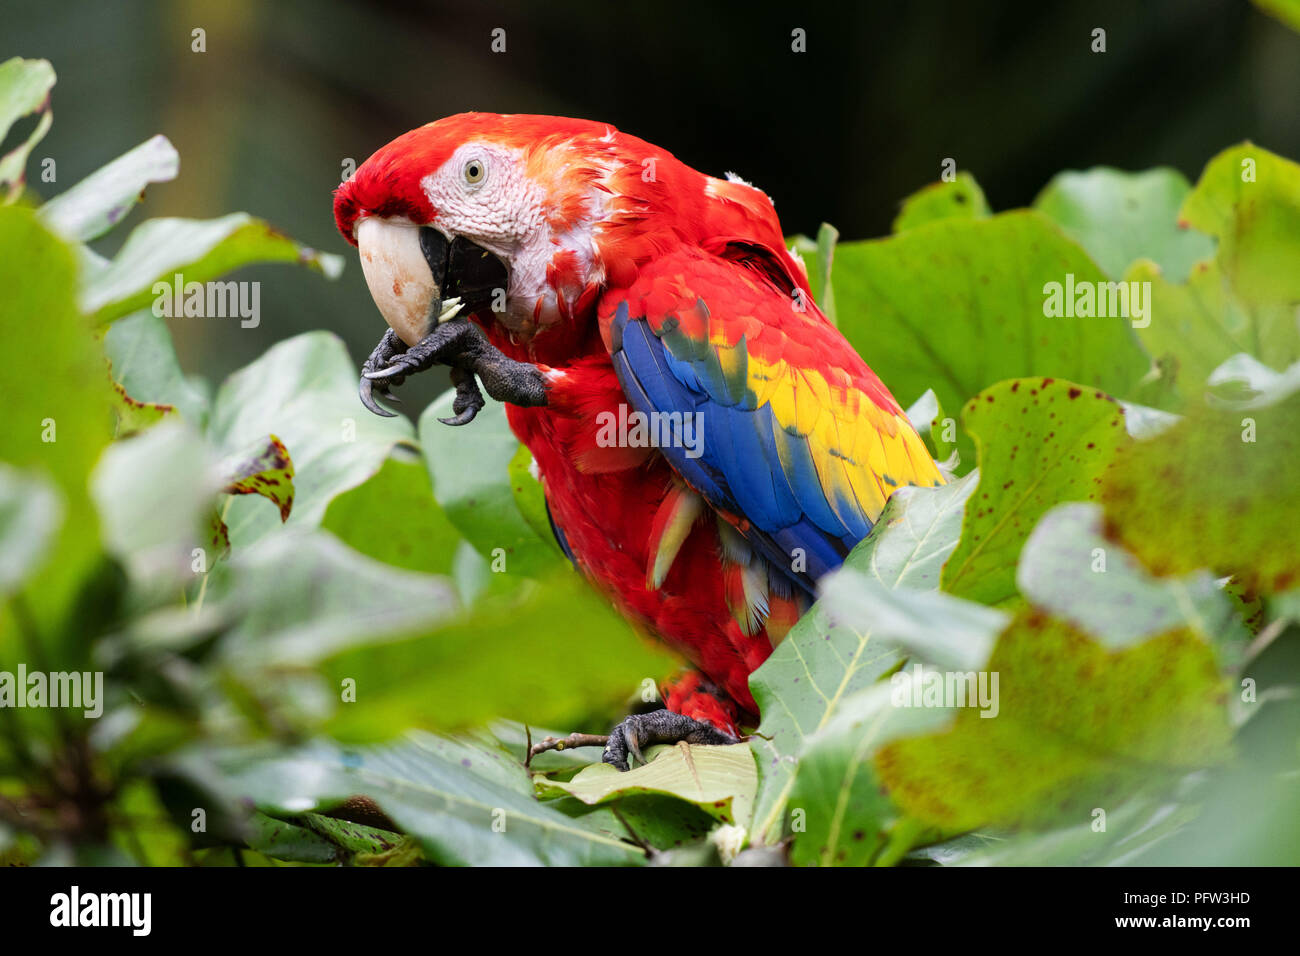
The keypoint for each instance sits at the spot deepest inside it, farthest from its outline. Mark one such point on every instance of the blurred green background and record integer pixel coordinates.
(286, 91)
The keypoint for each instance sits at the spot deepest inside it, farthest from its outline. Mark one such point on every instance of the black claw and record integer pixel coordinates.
(657, 727)
(469, 400)
(388, 346)
(366, 391)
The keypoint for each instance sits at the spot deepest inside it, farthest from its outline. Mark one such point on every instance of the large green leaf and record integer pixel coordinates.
(1219, 490)
(58, 431)
(101, 200)
(466, 802)
(1041, 442)
(144, 362)
(550, 652)
(1069, 569)
(801, 686)
(472, 480)
(959, 305)
(305, 391)
(24, 89)
(719, 780)
(394, 518)
(198, 250)
(1121, 217)
(842, 815)
(1077, 727)
(303, 596)
(1249, 199)
(154, 493)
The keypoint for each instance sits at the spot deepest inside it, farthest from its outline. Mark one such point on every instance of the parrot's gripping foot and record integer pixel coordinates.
(389, 346)
(463, 346)
(657, 727)
(634, 732)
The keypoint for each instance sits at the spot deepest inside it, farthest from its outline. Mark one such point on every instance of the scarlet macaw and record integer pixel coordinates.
(593, 270)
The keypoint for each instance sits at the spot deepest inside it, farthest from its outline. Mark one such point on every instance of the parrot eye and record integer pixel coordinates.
(475, 171)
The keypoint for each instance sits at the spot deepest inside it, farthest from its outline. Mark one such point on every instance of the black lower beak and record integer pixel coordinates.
(466, 271)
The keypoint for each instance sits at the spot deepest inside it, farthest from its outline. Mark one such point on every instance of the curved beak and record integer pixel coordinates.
(418, 277)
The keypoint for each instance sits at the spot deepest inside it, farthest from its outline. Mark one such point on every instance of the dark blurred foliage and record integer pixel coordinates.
(288, 89)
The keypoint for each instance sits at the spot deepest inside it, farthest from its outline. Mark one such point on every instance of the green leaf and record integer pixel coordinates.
(479, 497)
(304, 390)
(1218, 490)
(352, 837)
(154, 493)
(393, 518)
(822, 289)
(550, 652)
(529, 496)
(800, 687)
(927, 417)
(303, 596)
(1130, 829)
(1041, 442)
(1243, 300)
(847, 817)
(59, 431)
(1249, 199)
(1288, 11)
(24, 89)
(961, 198)
(1197, 325)
(288, 841)
(719, 780)
(101, 200)
(959, 305)
(1069, 569)
(30, 515)
(466, 802)
(1076, 727)
(197, 250)
(144, 363)
(133, 416)
(1121, 217)
(935, 627)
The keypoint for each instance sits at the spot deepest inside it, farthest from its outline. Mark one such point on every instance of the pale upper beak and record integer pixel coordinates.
(400, 279)
(418, 277)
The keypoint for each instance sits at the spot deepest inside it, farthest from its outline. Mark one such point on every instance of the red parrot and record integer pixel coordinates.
(708, 442)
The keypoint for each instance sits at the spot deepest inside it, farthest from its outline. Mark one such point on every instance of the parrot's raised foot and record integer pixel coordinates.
(464, 347)
(657, 727)
(468, 401)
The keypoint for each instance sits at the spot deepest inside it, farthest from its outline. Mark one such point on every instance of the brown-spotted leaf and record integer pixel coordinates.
(1219, 490)
(263, 468)
(1077, 727)
(134, 415)
(1040, 442)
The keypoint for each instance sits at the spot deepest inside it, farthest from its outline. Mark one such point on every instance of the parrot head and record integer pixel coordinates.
(521, 220)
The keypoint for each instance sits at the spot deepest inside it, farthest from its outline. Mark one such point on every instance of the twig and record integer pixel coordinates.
(565, 743)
